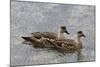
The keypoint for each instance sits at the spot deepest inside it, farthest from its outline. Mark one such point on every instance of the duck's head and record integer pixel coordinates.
(63, 29)
(81, 34)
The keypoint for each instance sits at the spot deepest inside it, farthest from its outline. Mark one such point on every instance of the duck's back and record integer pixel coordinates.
(67, 42)
(49, 35)
(37, 35)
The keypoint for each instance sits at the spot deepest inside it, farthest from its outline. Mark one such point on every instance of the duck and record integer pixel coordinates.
(43, 39)
(71, 41)
(70, 45)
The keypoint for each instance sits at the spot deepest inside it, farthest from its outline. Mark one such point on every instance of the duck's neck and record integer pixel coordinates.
(78, 39)
(61, 35)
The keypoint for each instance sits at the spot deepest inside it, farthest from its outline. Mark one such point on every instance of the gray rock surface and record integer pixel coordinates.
(28, 17)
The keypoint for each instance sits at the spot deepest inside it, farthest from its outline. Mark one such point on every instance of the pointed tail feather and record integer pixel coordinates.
(26, 38)
(31, 39)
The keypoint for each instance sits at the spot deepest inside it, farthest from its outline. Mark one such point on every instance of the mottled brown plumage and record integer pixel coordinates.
(49, 35)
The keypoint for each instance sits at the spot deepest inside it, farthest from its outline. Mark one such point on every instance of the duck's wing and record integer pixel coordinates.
(49, 35)
(37, 35)
(67, 45)
(67, 41)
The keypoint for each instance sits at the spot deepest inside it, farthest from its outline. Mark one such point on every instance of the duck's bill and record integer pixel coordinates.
(67, 32)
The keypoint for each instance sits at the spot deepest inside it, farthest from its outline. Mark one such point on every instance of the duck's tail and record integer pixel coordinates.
(31, 39)
(27, 38)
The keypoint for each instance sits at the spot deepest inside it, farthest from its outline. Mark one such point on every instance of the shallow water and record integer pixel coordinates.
(28, 17)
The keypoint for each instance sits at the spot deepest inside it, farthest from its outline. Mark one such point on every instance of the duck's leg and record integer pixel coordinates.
(79, 55)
